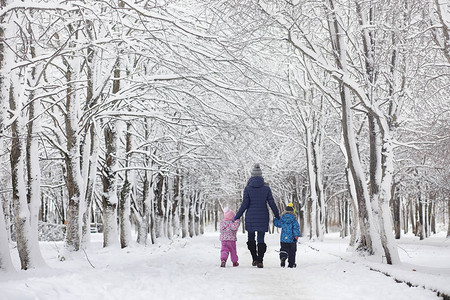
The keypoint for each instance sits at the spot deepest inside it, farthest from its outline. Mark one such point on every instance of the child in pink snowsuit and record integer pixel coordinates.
(228, 229)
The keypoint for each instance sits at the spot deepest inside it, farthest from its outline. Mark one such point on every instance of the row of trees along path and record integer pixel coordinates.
(153, 113)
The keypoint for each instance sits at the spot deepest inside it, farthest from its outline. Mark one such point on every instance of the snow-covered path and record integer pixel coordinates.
(189, 269)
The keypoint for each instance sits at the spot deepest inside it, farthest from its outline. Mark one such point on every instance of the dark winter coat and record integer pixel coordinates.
(255, 199)
(289, 227)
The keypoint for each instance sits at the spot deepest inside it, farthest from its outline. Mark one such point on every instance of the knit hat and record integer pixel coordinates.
(228, 215)
(290, 207)
(256, 171)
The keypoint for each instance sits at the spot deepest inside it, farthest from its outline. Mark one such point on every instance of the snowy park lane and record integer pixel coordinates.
(189, 269)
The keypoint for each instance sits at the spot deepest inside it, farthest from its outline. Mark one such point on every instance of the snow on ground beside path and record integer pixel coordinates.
(189, 269)
(425, 263)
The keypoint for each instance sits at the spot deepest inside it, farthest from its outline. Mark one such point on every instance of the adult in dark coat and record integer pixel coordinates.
(255, 199)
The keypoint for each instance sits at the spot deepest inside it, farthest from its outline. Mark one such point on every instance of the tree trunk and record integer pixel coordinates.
(5, 255)
(317, 152)
(354, 229)
(90, 176)
(312, 182)
(144, 220)
(196, 213)
(202, 217)
(176, 201)
(109, 180)
(109, 176)
(367, 232)
(147, 192)
(433, 216)
(420, 219)
(448, 218)
(364, 215)
(216, 216)
(166, 209)
(125, 194)
(90, 146)
(412, 214)
(159, 209)
(32, 157)
(405, 215)
(72, 161)
(27, 245)
(191, 215)
(396, 207)
(184, 211)
(153, 218)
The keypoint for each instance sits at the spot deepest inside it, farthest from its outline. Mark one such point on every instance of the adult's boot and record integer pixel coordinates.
(262, 247)
(252, 247)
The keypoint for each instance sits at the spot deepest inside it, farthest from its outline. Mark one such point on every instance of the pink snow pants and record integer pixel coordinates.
(228, 247)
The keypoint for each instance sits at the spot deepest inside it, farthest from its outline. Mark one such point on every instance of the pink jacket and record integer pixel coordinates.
(228, 230)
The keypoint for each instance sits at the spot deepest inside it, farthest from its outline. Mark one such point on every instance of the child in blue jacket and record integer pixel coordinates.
(290, 232)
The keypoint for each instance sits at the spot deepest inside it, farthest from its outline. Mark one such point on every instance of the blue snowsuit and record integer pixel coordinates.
(289, 230)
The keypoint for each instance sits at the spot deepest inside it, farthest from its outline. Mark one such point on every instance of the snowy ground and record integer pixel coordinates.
(189, 269)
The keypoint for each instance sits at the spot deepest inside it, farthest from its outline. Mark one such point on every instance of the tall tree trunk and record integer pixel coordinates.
(175, 202)
(5, 256)
(144, 210)
(90, 179)
(166, 219)
(184, 211)
(144, 220)
(159, 209)
(432, 216)
(421, 218)
(27, 245)
(355, 228)
(203, 211)
(153, 218)
(312, 182)
(25, 209)
(147, 192)
(72, 157)
(381, 150)
(448, 218)
(216, 216)
(197, 213)
(32, 155)
(109, 179)
(396, 207)
(367, 232)
(317, 152)
(405, 215)
(191, 214)
(90, 146)
(109, 174)
(412, 214)
(125, 194)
